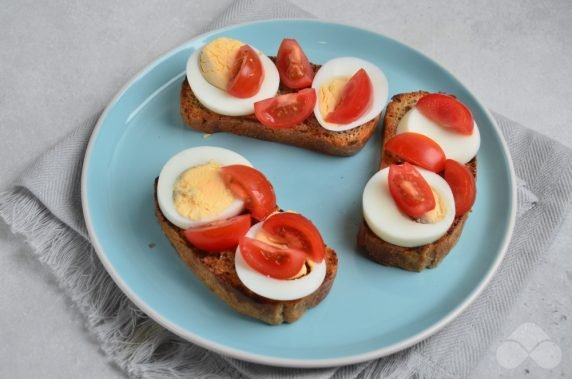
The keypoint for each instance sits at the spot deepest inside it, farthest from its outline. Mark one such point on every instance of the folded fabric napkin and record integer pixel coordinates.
(44, 207)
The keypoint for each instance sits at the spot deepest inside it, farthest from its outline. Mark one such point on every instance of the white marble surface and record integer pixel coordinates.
(515, 56)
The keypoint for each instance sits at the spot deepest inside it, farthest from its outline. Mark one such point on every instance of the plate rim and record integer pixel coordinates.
(269, 360)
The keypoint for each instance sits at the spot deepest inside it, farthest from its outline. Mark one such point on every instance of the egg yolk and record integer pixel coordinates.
(200, 192)
(330, 94)
(436, 214)
(216, 61)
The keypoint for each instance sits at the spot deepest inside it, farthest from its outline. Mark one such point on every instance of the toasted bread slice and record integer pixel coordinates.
(217, 272)
(408, 258)
(308, 135)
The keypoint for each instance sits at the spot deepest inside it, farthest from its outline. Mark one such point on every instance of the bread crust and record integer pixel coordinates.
(217, 272)
(388, 254)
(308, 135)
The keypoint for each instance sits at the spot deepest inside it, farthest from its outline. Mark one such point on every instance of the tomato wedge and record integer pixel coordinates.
(297, 232)
(251, 185)
(276, 262)
(410, 190)
(247, 73)
(293, 66)
(356, 98)
(417, 149)
(462, 183)
(447, 112)
(286, 111)
(219, 236)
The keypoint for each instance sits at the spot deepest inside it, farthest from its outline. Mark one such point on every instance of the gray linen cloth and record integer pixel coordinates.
(44, 207)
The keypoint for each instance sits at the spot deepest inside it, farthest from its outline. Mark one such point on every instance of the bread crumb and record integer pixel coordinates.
(206, 135)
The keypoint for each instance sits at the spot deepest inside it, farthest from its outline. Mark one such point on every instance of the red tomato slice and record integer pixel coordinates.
(251, 185)
(410, 190)
(293, 66)
(462, 183)
(286, 111)
(297, 232)
(356, 98)
(276, 262)
(417, 149)
(447, 111)
(247, 74)
(219, 236)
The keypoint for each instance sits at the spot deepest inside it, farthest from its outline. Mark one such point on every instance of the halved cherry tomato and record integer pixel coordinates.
(286, 111)
(276, 262)
(251, 185)
(247, 73)
(417, 149)
(462, 183)
(447, 112)
(293, 66)
(219, 236)
(357, 96)
(410, 190)
(297, 232)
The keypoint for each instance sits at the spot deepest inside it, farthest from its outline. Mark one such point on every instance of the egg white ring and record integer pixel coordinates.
(220, 101)
(277, 289)
(348, 66)
(390, 224)
(184, 160)
(459, 147)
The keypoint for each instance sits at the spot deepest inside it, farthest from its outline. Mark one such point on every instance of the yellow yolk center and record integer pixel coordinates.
(330, 94)
(437, 213)
(217, 59)
(200, 192)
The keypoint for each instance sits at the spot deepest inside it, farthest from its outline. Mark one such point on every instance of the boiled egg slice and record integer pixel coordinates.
(329, 82)
(215, 67)
(190, 191)
(390, 224)
(277, 289)
(459, 147)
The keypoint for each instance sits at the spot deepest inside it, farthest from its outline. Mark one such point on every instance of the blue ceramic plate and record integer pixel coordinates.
(372, 310)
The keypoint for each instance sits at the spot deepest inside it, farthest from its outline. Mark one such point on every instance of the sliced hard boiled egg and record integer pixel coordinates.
(190, 191)
(390, 224)
(215, 67)
(329, 82)
(459, 147)
(277, 289)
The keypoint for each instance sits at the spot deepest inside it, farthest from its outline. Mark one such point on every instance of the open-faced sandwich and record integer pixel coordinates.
(220, 215)
(415, 207)
(232, 87)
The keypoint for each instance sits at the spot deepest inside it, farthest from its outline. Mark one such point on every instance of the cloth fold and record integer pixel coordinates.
(44, 207)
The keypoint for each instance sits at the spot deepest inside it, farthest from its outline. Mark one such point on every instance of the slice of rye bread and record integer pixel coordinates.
(217, 272)
(408, 258)
(308, 135)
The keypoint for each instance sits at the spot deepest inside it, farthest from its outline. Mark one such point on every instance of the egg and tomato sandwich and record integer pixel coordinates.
(221, 216)
(415, 206)
(232, 87)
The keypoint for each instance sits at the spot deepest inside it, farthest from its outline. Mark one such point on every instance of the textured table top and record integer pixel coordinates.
(515, 56)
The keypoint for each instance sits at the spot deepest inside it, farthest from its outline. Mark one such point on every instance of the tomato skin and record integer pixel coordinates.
(247, 74)
(417, 149)
(356, 98)
(293, 65)
(251, 185)
(297, 232)
(219, 236)
(462, 183)
(286, 111)
(447, 112)
(410, 190)
(276, 262)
